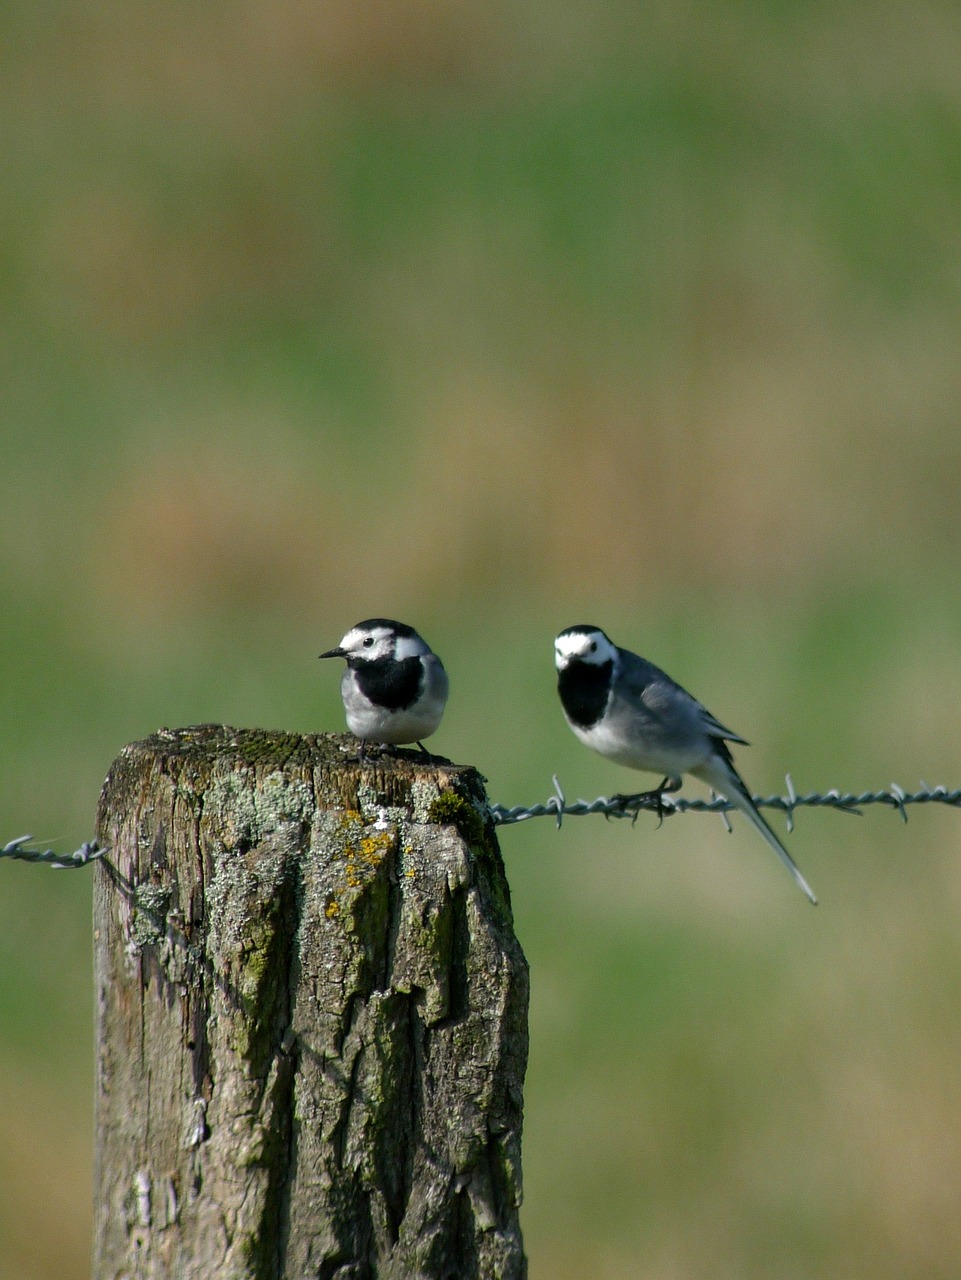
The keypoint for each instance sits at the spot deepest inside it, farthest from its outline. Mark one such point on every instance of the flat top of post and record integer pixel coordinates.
(190, 756)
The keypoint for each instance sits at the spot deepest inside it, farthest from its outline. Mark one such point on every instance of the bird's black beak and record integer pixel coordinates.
(334, 653)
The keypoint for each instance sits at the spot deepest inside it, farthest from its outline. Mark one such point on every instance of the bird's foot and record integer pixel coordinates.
(653, 799)
(628, 802)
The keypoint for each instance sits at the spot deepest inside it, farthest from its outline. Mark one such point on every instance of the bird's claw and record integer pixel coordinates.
(620, 800)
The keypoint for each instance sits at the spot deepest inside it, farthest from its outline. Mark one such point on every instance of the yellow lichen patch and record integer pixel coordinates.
(332, 909)
(373, 848)
(365, 855)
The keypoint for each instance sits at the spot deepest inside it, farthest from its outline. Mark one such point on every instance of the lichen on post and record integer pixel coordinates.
(312, 1016)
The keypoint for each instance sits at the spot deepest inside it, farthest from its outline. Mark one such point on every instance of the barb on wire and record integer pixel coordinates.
(556, 806)
(89, 851)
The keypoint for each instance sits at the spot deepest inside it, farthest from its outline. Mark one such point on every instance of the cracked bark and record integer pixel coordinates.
(312, 1016)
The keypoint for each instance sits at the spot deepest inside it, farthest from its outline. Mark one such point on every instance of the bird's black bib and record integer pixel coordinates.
(389, 683)
(584, 688)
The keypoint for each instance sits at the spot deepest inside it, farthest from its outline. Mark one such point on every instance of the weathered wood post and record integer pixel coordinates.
(312, 1016)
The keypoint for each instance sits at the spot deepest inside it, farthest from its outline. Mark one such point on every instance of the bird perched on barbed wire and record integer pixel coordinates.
(394, 688)
(630, 711)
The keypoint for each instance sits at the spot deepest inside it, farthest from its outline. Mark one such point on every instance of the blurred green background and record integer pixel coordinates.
(498, 318)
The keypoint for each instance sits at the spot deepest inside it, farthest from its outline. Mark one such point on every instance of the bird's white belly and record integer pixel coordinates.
(667, 760)
(379, 724)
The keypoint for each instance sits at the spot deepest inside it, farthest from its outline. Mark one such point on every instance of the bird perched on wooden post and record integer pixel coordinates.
(395, 687)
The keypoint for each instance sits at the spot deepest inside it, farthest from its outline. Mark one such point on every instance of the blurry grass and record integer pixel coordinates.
(498, 321)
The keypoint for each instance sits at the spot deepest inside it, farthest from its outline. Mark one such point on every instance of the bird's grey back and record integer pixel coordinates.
(667, 709)
(647, 704)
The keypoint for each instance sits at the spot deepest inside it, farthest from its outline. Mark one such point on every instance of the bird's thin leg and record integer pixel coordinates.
(665, 787)
(424, 750)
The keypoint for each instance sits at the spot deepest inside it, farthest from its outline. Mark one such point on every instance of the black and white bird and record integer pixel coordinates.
(394, 688)
(630, 711)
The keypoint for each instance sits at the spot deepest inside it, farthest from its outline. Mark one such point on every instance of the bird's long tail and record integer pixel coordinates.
(720, 774)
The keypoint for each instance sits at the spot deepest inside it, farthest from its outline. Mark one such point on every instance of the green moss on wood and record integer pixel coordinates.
(452, 810)
(261, 975)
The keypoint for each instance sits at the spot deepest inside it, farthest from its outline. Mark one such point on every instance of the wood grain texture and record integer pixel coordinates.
(312, 1016)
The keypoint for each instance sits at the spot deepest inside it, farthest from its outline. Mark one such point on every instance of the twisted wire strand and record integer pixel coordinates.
(89, 851)
(623, 806)
(619, 806)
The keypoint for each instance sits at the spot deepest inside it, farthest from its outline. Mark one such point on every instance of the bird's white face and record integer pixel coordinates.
(370, 643)
(583, 644)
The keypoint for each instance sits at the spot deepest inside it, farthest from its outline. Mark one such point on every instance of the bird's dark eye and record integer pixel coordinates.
(368, 641)
(593, 646)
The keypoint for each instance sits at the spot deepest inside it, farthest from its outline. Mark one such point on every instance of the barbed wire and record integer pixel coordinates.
(630, 806)
(89, 851)
(618, 806)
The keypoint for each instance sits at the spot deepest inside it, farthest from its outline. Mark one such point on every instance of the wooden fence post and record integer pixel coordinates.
(311, 1016)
